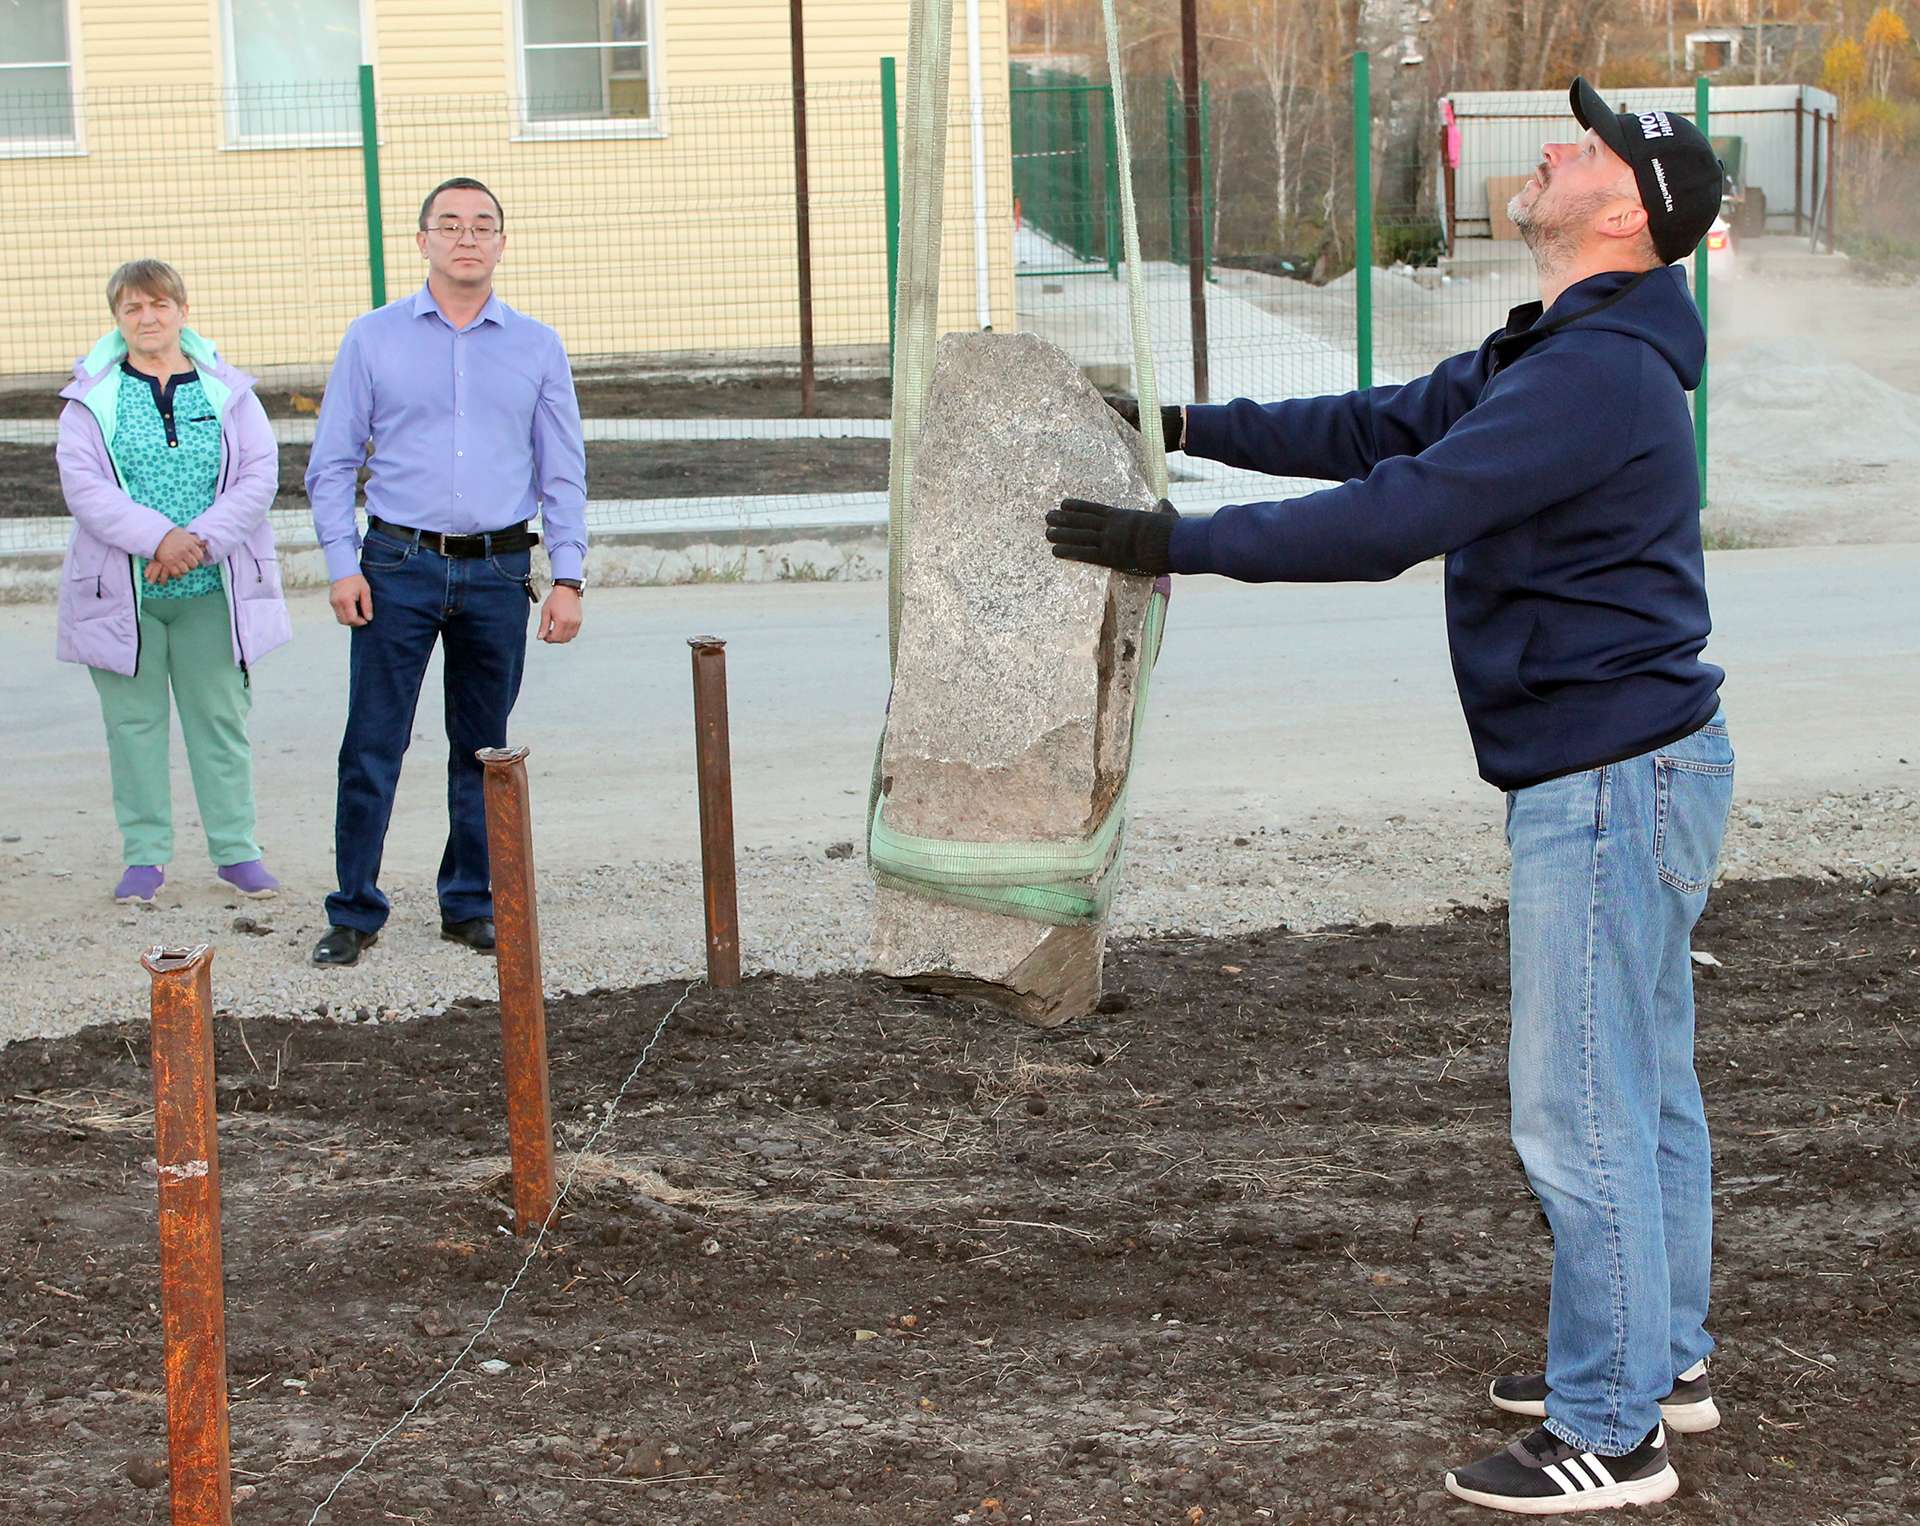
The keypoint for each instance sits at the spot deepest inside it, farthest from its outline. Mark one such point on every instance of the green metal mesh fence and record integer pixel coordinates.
(667, 259)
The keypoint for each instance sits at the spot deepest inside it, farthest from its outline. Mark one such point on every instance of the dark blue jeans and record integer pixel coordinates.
(478, 609)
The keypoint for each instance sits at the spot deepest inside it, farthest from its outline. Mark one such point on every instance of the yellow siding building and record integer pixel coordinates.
(643, 150)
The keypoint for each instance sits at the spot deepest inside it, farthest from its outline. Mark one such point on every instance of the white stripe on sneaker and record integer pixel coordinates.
(1567, 1486)
(1600, 1473)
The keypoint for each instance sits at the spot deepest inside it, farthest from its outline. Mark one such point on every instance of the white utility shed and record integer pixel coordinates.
(1786, 128)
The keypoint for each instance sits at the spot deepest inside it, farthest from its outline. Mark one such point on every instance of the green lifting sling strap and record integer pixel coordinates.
(1063, 883)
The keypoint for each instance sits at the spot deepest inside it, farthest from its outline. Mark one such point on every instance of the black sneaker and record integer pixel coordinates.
(1543, 1475)
(1687, 1410)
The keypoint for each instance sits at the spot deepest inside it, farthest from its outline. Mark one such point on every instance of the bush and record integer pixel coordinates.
(1418, 242)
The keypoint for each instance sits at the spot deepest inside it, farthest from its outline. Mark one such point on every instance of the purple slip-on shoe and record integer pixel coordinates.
(250, 878)
(140, 884)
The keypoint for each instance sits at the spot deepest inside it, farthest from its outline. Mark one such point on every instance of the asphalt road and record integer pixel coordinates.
(1269, 704)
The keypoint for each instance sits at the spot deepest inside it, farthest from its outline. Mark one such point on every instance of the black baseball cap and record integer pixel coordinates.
(1674, 165)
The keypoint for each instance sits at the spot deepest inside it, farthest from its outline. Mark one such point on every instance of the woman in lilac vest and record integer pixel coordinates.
(171, 589)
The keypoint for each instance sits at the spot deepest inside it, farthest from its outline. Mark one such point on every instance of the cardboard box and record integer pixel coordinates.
(1500, 191)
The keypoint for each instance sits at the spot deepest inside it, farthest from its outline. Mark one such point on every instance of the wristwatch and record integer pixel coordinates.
(574, 583)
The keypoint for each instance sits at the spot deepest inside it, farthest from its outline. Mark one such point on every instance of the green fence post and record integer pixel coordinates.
(1080, 219)
(890, 170)
(1112, 183)
(1362, 222)
(370, 170)
(1700, 297)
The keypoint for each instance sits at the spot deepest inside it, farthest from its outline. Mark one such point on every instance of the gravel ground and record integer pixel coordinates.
(804, 910)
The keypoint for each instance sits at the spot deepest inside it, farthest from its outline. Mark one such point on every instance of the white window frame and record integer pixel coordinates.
(238, 142)
(74, 145)
(529, 131)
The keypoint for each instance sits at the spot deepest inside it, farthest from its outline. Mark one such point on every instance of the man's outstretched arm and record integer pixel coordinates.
(1529, 444)
(1336, 438)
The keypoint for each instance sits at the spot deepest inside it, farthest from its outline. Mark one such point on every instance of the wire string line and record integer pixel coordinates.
(539, 1239)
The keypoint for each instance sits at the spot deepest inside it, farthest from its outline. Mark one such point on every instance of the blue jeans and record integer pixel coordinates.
(478, 608)
(1610, 874)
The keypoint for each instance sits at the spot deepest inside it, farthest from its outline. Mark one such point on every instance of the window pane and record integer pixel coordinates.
(629, 20)
(296, 63)
(565, 83)
(562, 21)
(33, 32)
(36, 104)
(628, 92)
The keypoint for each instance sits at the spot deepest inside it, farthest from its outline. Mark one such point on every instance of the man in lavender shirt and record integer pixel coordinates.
(463, 412)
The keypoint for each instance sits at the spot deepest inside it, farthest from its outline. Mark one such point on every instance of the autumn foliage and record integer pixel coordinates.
(1278, 74)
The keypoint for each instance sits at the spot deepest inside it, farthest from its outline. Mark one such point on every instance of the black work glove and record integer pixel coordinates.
(1128, 540)
(1173, 421)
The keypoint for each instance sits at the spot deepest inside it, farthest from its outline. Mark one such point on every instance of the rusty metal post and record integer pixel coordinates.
(1833, 179)
(193, 1312)
(802, 213)
(714, 764)
(1799, 154)
(1813, 221)
(523, 1004)
(1196, 189)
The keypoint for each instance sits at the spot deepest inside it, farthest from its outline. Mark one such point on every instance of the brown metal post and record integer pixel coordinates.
(523, 1003)
(1799, 152)
(1196, 213)
(1449, 179)
(1813, 222)
(1833, 199)
(802, 219)
(186, 1158)
(714, 764)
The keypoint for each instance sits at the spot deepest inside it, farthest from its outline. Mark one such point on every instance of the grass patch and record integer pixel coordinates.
(807, 572)
(733, 571)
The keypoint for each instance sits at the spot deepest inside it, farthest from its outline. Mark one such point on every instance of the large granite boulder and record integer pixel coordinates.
(1013, 689)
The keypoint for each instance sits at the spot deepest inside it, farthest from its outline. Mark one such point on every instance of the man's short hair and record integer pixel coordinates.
(460, 183)
(151, 278)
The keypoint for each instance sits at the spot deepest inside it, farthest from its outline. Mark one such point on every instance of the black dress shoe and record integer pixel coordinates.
(342, 945)
(475, 932)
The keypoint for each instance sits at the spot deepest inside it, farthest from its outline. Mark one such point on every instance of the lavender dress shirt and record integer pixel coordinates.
(472, 430)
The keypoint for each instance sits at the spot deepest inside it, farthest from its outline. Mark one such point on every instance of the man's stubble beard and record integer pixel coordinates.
(1554, 239)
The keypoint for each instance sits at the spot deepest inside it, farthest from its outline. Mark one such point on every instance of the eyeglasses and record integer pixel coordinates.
(456, 232)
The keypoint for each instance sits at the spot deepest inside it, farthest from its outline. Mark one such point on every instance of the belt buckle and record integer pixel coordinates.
(453, 545)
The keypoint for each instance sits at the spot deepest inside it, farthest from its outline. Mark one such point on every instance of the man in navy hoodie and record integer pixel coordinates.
(1554, 469)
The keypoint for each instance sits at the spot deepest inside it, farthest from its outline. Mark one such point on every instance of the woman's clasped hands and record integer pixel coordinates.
(178, 553)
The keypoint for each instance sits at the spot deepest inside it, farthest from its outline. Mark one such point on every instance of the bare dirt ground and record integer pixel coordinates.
(1873, 323)
(30, 481)
(608, 396)
(1243, 1248)
(693, 468)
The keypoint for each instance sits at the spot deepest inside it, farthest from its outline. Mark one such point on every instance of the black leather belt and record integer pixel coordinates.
(512, 538)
